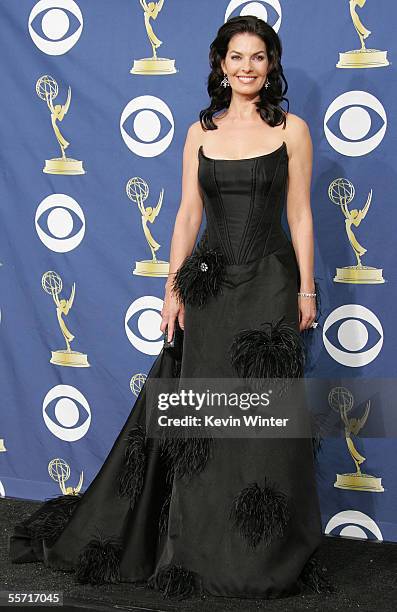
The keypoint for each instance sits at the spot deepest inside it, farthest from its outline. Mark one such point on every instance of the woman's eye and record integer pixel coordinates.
(260, 57)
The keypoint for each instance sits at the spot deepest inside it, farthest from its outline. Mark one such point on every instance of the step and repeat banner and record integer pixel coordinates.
(97, 99)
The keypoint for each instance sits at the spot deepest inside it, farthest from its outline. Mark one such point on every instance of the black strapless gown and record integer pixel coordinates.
(234, 517)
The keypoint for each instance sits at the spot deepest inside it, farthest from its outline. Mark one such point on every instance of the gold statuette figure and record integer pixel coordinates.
(341, 192)
(136, 383)
(341, 400)
(47, 90)
(52, 284)
(363, 57)
(137, 190)
(2, 446)
(59, 471)
(154, 64)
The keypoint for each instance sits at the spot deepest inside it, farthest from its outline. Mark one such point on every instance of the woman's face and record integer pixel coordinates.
(246, 56)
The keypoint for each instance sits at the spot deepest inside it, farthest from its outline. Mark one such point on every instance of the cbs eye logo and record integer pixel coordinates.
(55, 17)
(66, 413)
(60, 222)
(150, 339)
(353, 335)
(355, 123)
(259, 8)
(146, 125)
(355, 525)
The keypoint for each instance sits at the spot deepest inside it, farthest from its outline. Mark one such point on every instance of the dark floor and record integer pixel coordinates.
(364, 573)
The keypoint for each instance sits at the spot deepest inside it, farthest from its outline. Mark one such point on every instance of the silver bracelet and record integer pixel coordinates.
(302, 293)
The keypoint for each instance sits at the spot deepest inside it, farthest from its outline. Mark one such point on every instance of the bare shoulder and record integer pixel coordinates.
(195, 131)
(296, 127)
(196, 127)
(194, 137)
(297, 134)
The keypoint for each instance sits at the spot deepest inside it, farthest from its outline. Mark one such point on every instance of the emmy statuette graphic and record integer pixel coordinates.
(51, 282)
(154, 64)
(363, 57)
(341, 400)
(341, 192)
(137, 191)
(136, 383)
(2, 446)
(47, 89)
(59, 471)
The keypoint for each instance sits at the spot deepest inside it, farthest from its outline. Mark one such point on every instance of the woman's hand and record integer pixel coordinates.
(172, 309)
(307, 310)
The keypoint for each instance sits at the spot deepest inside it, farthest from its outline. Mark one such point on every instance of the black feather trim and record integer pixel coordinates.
(175, 581)
(164, 513)
(133, 473)
(51, 518)
(275, 352)
(320, 426)
(260, 513)
(200, 275)
(99, 561)
(186, 455)
(314, 576)
(317, 442)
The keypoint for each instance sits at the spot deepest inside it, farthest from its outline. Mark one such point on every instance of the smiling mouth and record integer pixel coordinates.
(246, 79)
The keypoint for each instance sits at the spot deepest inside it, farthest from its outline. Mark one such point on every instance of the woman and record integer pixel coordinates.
(225, 516)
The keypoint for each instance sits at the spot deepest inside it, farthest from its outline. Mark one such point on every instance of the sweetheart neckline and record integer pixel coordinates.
(284, 144)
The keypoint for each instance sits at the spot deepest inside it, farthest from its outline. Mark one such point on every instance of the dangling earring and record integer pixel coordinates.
(225, 81)
(267, 83)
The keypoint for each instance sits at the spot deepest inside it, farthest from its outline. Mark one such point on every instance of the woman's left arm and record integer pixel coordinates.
(299, 214)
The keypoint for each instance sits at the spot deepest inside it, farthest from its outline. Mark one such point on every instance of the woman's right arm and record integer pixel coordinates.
(186, 227)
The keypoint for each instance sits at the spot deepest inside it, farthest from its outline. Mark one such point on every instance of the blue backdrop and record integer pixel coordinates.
(83, 230)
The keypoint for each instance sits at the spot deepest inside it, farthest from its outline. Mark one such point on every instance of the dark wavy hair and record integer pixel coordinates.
(269, 101)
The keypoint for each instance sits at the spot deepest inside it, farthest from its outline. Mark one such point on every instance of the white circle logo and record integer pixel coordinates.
(355, 525)
(60, 222)
(55, 24)
(146, 126)
(67, 413)
(355, 123)
(257, 8)
(151, 338)
(353, 335)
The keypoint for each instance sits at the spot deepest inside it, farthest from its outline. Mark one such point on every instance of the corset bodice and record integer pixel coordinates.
(243, 201)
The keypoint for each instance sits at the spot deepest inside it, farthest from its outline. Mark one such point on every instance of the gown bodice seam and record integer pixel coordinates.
(241, 248)
(264, 209)
(229, 248)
